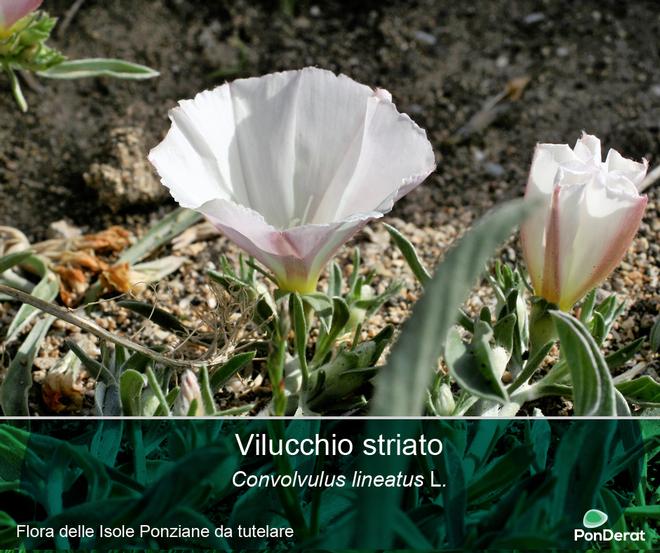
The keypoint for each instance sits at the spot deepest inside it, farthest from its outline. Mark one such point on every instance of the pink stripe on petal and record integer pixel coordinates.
(551, 284)
(295, 256)
(532, 249)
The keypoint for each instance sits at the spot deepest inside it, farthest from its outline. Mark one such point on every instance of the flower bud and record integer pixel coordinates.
(190, 392)
(445, 403)
(590, 211)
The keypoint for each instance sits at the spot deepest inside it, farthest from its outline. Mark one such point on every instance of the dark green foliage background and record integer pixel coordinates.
(512, 484)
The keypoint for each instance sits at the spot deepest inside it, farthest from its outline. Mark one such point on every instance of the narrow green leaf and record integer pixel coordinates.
(97, 370)
(654, 336)
(225, 372)
(587, 308)
(465, 321)
(335, 280)
(235, 411)
(138, 362)
(454, 494)
(580, 468)
(167, 228)
(106, 400)
(355, 274)
(481, 446)
(622, 407)
(207, 393)
(155, 314)
(47, 289)
(627, 352)
(131, 384)
(163, 408)
(7, 523)
(172, 395)
(98, 67)
(374, 304)
(340, 317)
(14, 444)
(158, 269)
(414, 356)
(106, 443)
(644, 391)
(10, 260)
(503, 331)
(18, 379)
(192, 410)
(16, 89)
(228, 281)
(610, 309)
(593, 391)
(410, 255)
(598, 328)
(530, 367)
(409, 534)
(539, 434)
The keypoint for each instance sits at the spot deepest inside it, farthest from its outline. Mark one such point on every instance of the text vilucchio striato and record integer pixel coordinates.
(262, 444)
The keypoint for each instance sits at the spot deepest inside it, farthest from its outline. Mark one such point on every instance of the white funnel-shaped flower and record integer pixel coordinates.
(290, 165)
(591, 212)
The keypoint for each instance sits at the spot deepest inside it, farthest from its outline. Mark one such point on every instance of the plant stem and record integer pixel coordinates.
(289, 497)
(299, 314)
(91, 327)
(276, 374)
(15, 85)
(164, 408)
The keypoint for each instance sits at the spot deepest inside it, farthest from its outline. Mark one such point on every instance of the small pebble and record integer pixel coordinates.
(494, 169)
(533, 18)
(425, 38)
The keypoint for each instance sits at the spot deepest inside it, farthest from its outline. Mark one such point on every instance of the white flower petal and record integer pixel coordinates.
(540, 186)
(605, 225)
(587, 148)
(632, 170)
(330, 121)
(395, 157)
(545, 165)
(198, 160)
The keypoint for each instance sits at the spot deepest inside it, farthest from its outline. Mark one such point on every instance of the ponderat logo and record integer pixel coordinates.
(594, 519)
